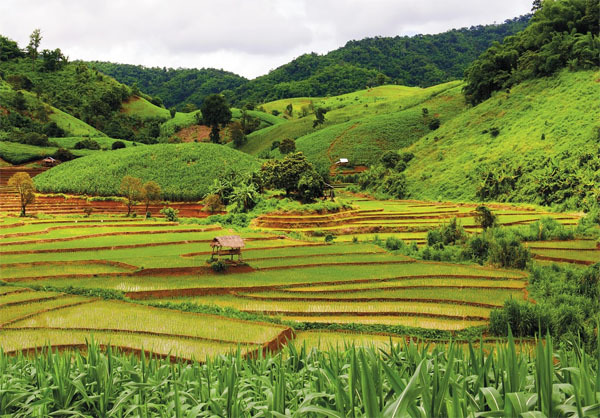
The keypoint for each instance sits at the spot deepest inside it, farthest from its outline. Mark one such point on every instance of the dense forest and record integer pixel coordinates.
(421, 60)
(561, 34)
(175, 87)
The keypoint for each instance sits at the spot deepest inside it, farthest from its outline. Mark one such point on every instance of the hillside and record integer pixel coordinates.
(420, 60)
(360, 125)
(183, 171)
(547, 149)
(175, 87)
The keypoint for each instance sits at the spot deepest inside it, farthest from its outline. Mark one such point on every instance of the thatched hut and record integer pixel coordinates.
(227, 245)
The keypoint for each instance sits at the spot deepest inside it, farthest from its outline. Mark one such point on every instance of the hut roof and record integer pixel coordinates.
(232, 241)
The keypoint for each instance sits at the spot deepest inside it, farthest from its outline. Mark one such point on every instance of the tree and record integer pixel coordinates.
(319, 117)
(131, 189)
(215, 113)
(390, 159)
(34, 43)
(25, 187)
(287, 145)
(150, 193)
(537, 5)
(244, 197)
(53, 60)
(484, 217)
(289, 110)
(9, 49)
(237, 134)
(285, 174)
(118, 145)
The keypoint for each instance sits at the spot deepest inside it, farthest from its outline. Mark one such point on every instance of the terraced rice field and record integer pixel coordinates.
(293, 280)
(584, 252)
(407, 220)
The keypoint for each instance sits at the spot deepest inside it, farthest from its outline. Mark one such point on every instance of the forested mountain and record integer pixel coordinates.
(175, 87)
(421, 60)
(561, 34)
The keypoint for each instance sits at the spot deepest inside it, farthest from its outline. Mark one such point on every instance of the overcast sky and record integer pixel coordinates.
(247, 37)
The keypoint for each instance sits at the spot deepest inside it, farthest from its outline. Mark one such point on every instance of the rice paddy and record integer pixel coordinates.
(59, 271)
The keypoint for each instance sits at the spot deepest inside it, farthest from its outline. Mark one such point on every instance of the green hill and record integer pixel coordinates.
(184, 171)
(547, 149)
(175, 87)
(360, 125)
(420, 60)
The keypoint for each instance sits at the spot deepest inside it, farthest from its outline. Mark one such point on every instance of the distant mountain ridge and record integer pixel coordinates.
(420, 60)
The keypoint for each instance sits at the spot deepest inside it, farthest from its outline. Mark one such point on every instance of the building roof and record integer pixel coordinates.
(232, 241)
(342, 161)
(49, 159)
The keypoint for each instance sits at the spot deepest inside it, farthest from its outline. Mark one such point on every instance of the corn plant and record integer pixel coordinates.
(408, 379)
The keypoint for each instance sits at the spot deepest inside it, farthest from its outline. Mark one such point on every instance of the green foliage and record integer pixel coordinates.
(562, 33)
(517, 166)
(218, 266)
(183, 171)
(287, 146)
(89, 144)
(451, 233)
(378, 179)
(215, 113)
(567, 305)
(117, 145)
(400, 380)
(291, 173)
(484, 217)
(170, 214)
(175, 87)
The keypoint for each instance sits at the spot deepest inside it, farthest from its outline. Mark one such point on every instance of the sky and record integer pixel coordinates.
(247, 37)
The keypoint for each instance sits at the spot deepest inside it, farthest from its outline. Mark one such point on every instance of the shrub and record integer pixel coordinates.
(395, 185)
(218, 266)
(87, 211)
(522, 317)
(394, 244)
(484, 217)
(275, 145)
(62, 154)
(434, 124)
(507, 251)
(213, 203)
(494, 132)
(170, 213)
(118, 145)
(390, 159)
(34, 138)
(87, 144)
(329, 238)
(287, 146)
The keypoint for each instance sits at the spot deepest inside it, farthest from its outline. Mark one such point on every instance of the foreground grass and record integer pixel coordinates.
(400, 380)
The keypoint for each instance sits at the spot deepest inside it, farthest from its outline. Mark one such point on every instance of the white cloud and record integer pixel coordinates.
(246, 37)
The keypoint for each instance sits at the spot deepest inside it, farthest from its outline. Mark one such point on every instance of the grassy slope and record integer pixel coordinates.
(16, 153)
(364, 140)
(143, 108)
(564, 108)
(359, 105)
(184, 171)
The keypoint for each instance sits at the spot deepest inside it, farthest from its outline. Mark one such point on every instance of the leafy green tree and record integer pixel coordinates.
(286, 173)
(287, 145)
(237, 134)
(25, 187)
(390, 158)
(150, 193)
(484, 217)
(215, 113)
(244, 197)
(131, 189)
(319, 117)
(289, 110)
(53, 60)
(118, 145)
(310, 186)
(34, 43)
(9, 49)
